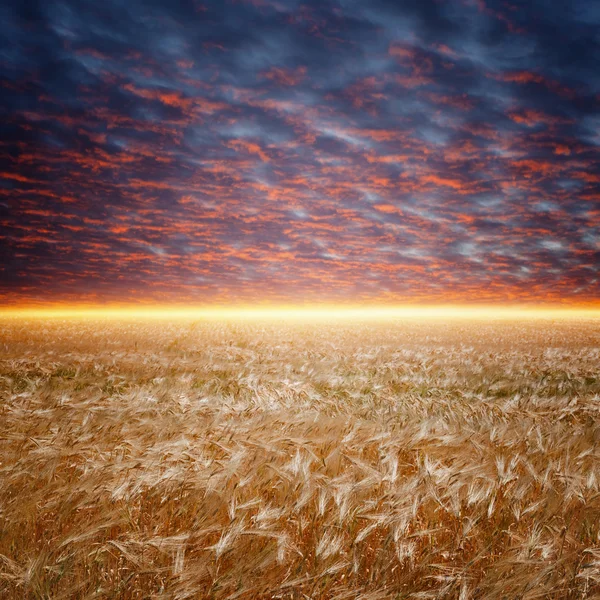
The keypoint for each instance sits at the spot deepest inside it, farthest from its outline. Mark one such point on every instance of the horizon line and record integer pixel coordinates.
(314, 312)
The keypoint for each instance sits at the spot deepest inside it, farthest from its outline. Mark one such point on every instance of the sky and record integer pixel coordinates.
(299, 151)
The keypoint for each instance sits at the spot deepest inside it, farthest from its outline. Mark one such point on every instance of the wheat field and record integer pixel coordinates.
(220, 460)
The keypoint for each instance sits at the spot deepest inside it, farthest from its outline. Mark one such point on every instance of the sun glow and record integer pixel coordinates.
(300, 313)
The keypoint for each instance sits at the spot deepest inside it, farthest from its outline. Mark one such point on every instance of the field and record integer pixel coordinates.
(240, 460)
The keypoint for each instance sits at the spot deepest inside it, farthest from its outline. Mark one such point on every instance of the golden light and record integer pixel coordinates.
(324, 313)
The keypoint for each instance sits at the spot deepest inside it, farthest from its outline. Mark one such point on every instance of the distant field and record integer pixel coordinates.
(222, 460)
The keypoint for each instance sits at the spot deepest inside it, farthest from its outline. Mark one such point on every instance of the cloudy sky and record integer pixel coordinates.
(300, 151)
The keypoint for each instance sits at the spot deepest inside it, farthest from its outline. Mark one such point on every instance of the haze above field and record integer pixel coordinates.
(243, 151)
(308, 314)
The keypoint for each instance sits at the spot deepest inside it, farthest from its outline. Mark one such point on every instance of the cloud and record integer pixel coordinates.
(241, 150)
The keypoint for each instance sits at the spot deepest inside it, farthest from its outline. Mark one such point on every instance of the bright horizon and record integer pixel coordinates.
(323, 312)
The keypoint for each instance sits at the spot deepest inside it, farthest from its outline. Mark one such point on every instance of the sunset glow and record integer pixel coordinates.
(300, 313)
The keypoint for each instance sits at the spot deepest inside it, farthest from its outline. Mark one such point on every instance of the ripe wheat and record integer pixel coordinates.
(208, 460)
